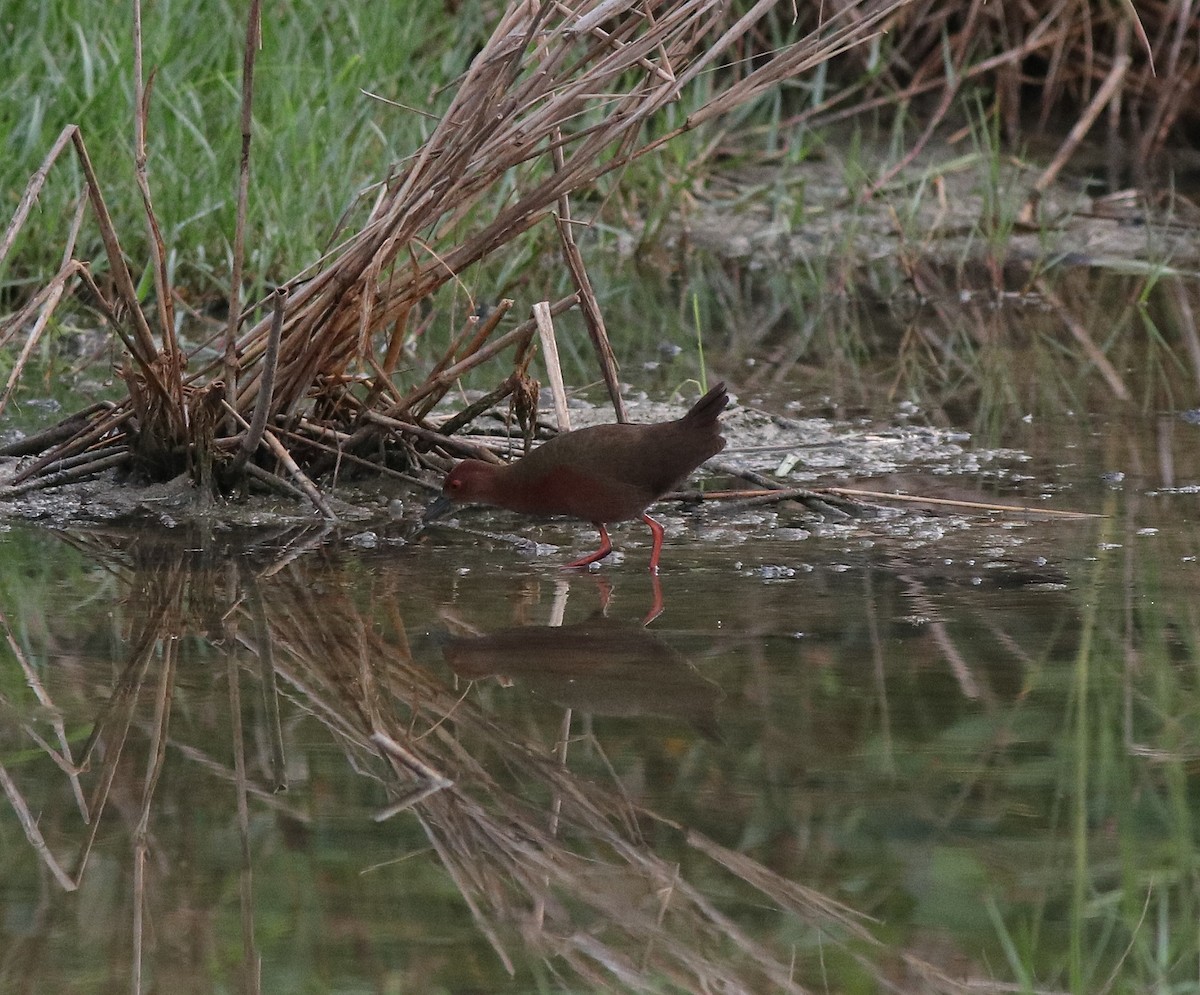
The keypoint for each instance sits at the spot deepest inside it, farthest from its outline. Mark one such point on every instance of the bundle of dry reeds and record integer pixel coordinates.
(557, 98)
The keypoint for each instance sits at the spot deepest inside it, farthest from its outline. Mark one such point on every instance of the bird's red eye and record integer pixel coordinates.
(454, 484)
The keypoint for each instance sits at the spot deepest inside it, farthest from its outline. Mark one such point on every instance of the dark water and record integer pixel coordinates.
(905, 752)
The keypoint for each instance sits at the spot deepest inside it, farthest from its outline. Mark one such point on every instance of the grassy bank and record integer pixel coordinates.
(317, 139)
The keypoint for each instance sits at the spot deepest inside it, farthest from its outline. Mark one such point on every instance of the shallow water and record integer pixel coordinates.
(929, 747)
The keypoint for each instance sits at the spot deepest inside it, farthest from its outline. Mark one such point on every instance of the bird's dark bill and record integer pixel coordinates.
(436, 510)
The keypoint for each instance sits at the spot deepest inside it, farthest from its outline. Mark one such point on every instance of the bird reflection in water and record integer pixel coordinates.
(598, 666)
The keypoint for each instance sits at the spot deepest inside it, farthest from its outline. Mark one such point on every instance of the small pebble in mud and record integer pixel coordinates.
(364, 540)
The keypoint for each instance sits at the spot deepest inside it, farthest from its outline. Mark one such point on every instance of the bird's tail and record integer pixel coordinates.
(705, 410)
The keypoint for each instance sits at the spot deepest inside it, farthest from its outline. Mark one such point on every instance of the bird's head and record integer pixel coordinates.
(471, 481)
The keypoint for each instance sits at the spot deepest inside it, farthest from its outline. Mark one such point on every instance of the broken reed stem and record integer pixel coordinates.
(431, 436)
(54, 294)
(39, 442)
(306, 487)
(311, 491)
(592, 315)
(249, 50)
(162, 287)
(452, 373)
(266, 387)
(545, 327)
(1106, 93)
(341, 455)
(142, 347)
(32, 189)
(482, 334)
(476, 408)
(275, 482)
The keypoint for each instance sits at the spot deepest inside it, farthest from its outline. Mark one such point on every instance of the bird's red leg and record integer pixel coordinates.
(658, 541)
(603, 551)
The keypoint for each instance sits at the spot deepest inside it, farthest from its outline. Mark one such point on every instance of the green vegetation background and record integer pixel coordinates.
(318, 138)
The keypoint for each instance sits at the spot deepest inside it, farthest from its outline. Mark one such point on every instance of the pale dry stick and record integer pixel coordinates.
(33, 834)
(1023, 509)
(252, 44)
(275, 483)
(429, 780)
(590, 23)
(429, 435)
(545, 327)
(1107, 91)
